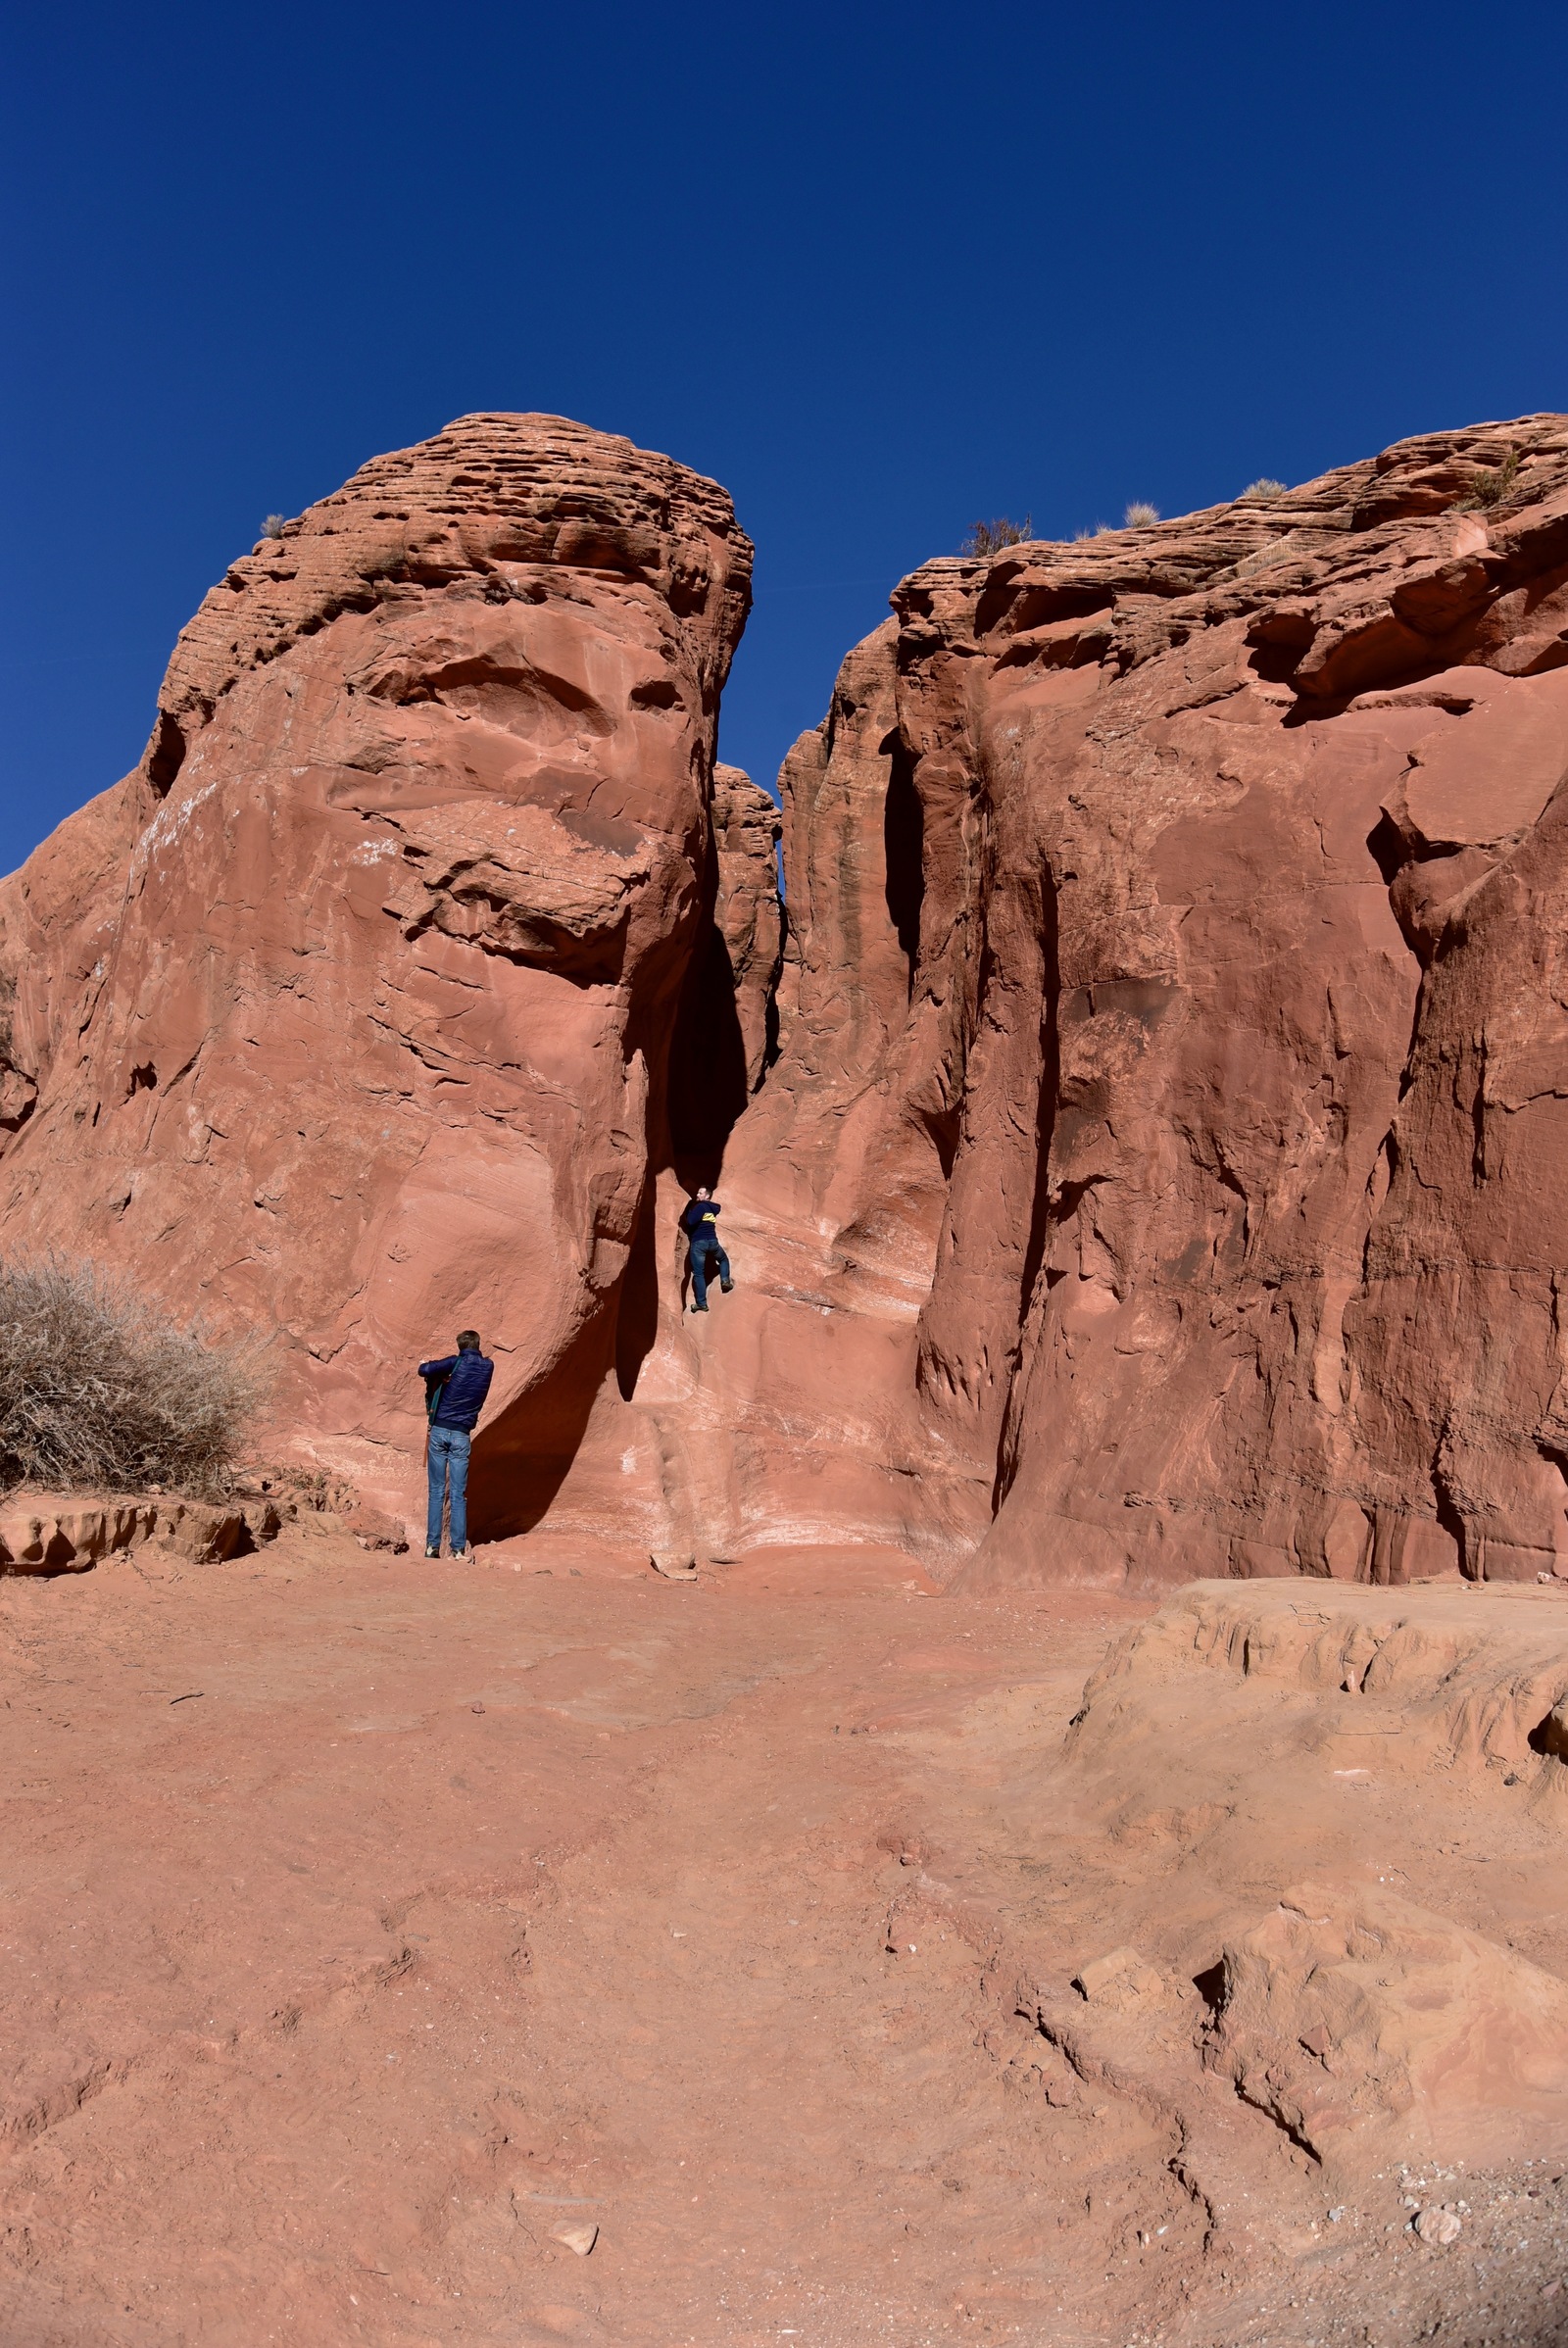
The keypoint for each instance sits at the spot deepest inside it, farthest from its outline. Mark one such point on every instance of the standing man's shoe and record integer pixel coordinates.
(463, 1556)
(433, 1552)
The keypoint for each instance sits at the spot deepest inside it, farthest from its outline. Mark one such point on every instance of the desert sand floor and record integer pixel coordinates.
(371, 1925)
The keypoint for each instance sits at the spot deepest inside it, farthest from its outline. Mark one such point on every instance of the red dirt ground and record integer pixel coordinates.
(365, 1920)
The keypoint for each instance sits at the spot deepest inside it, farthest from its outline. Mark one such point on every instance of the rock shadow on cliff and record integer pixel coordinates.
(707, 1087)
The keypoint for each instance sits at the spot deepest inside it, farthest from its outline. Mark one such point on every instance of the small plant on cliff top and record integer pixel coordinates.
(1265, 486)
(1494, 488)
(990, 537)
(98, 1392)
(272, 527)
(1139, 515)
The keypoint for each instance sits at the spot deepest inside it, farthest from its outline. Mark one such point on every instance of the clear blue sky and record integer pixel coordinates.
(879, 269)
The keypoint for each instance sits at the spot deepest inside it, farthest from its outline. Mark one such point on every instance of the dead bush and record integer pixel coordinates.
(100, 1391)
(990, 537)
(1140, 516)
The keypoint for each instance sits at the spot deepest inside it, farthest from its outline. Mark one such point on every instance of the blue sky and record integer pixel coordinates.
(878, 269)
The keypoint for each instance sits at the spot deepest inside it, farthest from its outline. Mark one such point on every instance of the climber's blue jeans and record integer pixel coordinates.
(706, 1261)
(449, 1455)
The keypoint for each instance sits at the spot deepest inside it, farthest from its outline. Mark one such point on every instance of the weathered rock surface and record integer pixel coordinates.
(1138, 1145)
(1251, 1755)
(1439, 1679)
(1159, 1171)
(61, 1532)
(349, 1015)
(563, 1885)
(1362, 2023)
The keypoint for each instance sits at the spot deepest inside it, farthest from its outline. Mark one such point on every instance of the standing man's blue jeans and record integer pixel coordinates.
(706, 1261)
(449, 1454)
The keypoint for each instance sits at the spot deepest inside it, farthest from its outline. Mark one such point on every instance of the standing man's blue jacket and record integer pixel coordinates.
(467, 1381)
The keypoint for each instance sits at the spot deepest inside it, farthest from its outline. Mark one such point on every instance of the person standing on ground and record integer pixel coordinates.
(703, 1253)
(454, 1392)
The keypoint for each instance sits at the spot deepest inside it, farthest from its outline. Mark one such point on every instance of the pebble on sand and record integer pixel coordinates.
(580, 2238)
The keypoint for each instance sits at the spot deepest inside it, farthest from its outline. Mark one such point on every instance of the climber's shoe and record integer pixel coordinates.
(699, 1308)
(727, 1285)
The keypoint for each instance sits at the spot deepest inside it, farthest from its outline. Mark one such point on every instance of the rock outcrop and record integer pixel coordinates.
(1138, 1144)
(1253, 818)
(1352, 2014)
(349, 1015)
(1156, 1172)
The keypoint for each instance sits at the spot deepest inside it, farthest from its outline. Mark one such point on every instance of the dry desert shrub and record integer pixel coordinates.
(1494, 488)
(1140, 516)
(272, 525)
(100, 1391)
(990, 537)
(1265, 487)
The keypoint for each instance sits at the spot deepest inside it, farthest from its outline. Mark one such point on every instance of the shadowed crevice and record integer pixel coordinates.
(707, 1086)
(1040, 1210)
(903, 850)
(637, 1318)
(522, 1458)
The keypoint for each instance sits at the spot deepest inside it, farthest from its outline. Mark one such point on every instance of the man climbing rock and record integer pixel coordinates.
(703, 1253)
(454, 1390)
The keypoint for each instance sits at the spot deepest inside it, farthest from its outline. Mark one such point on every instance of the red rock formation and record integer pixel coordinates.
(1159, 1155)
(785, 1416)
(1153, 1168)
(347, 1016)
(1245, 1349)
(748, 911)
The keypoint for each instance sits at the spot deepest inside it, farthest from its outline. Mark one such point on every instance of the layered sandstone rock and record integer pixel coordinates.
(348, 1016)
(1157, 1171)
(1282, 779)
(1137, 1146)
(787, 1415)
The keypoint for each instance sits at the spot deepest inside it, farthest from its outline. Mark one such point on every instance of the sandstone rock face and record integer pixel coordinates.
(349, 1015)
(748, 913)
(54, 1533)
(1155, 1174)
(788, 1415)
(1137, 1144)
(1360, 2020)
(1216, 794)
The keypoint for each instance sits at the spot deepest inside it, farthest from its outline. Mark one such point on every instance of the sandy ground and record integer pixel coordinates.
(367, 1924)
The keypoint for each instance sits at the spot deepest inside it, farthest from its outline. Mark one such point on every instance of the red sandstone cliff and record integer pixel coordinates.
(1143, 1163)
(1157, 1173)
(348, 1017)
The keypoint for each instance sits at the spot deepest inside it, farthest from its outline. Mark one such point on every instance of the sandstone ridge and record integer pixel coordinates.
(351, 1014)
(1154, 1176)
(1137, 1144)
